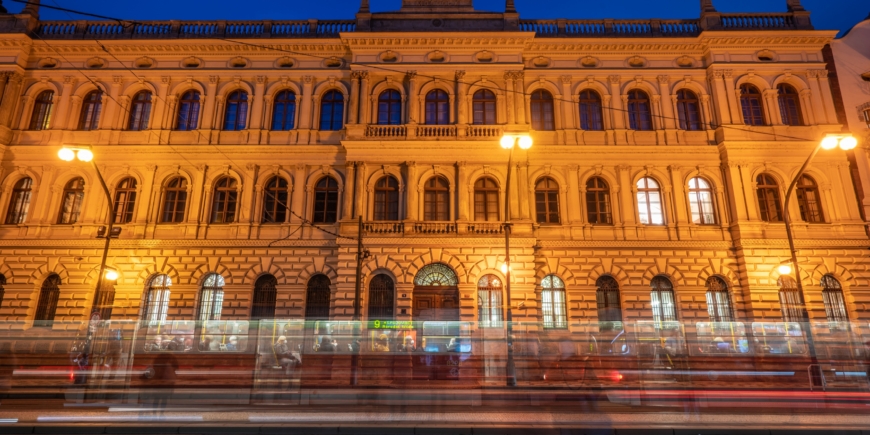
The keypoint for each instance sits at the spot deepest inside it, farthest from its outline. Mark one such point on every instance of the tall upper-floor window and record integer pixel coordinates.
(325, 201)
(236, 113)
(46, 307)
(41, 116)
(649, 202)
(484, 107)
(809, 201)
(125, 201)
(543, 112)
(71, 201)
(437, 108)
(751, 105)
(387, 199)
(835, 303)
(662, 300)
(718, 300)
(554, 305)
(188, 111)
(390, 107)
(688, 110)
(790, 300)
(701, 202)
(92, 105)
(156, 303)
(436, 199)
(598, 202)
(332, 111)
(275, 200)
(769, 205)
(226, 196)
(140, 111)
(174, 200)
(607, 298)
(789, 104)
(639, 113)
(547, 201)
(19, 203)
(211, 297)
(265, 298)
(486, 200)
(284, 111)
(489, 305)
(590, 111)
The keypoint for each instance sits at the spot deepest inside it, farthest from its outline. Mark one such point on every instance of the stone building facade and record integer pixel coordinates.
(650, 140)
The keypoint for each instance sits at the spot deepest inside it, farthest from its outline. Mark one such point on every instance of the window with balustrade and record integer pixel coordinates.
(224, 201)
(484, 107)
(835, 303)
(382, 298)
(317, 298)
(639, 112)
(211, 297)
(140, 111)
(92, 105)
(125, 201)
(607, 299)
(789, 104)
(390, 107)
(688, 110)
(276, 197)
(489, 301)
(284, 111)
(809, 200)
(649, 202)
(265, 298)
(547, 201)
(554, 305)
(486, 207)
(751, 105)
(156, 303)
(46, 306)
(386, 199)
(543, 111)
(769, 204)
(19, 201)
(662, 300)
(598, 202)
(236, 111)
(332, 111)
(701, 202)
(718, 300)
(437, 108)
(174, 200)
(591, 116)
(188, 111)
(436, 199)
(790, 300)
(325, 201)
(72, 198)
(40, 118)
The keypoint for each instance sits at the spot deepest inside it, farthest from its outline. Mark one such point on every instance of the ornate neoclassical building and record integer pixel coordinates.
(240, 156)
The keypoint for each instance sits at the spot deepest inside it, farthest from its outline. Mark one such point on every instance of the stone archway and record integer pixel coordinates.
(436, 293)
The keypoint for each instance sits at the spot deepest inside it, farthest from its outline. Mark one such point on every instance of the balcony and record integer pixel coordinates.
(384, 228)
(485, 228)
(437, 132)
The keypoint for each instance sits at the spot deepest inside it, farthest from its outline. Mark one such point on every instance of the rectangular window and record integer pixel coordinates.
(554, 308)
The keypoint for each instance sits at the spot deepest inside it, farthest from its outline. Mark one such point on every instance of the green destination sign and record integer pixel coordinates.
(391, 324)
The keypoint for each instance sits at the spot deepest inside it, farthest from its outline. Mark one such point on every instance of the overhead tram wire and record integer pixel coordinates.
(708, 123)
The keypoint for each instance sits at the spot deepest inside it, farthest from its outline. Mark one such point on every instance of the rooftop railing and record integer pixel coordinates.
(192, 29)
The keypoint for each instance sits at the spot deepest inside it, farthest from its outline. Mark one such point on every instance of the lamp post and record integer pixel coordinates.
(508, 142)
(84, 154)
(829, 142)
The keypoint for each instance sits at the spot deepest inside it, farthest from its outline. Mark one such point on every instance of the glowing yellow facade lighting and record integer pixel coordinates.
(111, 274)
(784, 269)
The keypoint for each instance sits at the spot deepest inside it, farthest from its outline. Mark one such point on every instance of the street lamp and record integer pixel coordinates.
(84, 154)
(845, 142)
(509, 142)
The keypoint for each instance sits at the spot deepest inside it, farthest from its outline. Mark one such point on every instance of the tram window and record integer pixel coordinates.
(170, 336)
(224, 336)
(778, 338)
(720, 338)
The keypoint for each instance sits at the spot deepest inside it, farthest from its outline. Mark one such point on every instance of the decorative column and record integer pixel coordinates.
(523, 177)
(160, 118)
(667, 109)
(355, 98)
(772, 104)
(10, 98)
(705, 112)
(452, 108)
(208, 113)
(827, 99)
(364, 98)
(307, 94)
(733, 95)
(510, 96)
(574, 213)
(519, 93)
(413, 117)
(361, 190)
(411, 208)
(297, 203)
(462, 189)
(627, 195)
(347, 200)
(720, 98)
(807, 102)
(617, 114)
(61, 117)
(258, 103)
(461, 91)
(109, 119)
(678, 199)
(569, 121)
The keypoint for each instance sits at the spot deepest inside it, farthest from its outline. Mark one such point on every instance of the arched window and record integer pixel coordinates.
(541, 105)
(387, 199)
(547, 201)
(188, 111)
(41, 116)
(317, 298)
(156, 303)
(390, 107)
(332, 111)
(553, 303)
(226, 194)
(284, 111)
(19, 203)
(835, 303)
(809, 200)
(649, 202)
(489, 305)
(436, 199)
(71, 201)
(790, 300)
(174, 200)
(598, 202)
(92, 105)
(140, 111)
(437, 108)
(125, 201)
(486, 200)
(2, 288)
(639, 114)
(483, 106)
(325, 201)
(701, 202)
(236, 114)
(382, 297)
(275, 201)
(265, 298)
(718, 300)
(211, 297)
(607, 297)
(104, 300)
(46, 307)
(789, 104)
(750, 103)
(662, 300)
(688, 110)
(768, 198)
(590, 111)
(435, 275)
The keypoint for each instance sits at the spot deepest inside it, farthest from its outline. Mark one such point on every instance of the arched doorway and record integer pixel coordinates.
(436, 293)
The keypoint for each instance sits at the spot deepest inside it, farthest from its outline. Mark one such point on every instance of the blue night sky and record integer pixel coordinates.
(826, 14)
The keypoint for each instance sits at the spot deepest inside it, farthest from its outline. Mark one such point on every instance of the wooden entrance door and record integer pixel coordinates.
(436, 303)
